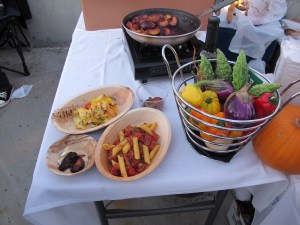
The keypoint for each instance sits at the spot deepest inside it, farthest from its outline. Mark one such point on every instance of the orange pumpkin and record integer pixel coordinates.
(200, 116)
(278, 144)
(215, 131)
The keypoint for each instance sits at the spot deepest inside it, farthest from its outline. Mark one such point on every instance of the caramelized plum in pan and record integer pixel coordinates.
(155, 24)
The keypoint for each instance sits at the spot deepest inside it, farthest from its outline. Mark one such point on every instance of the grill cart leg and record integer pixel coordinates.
(212, 205)
(214, 212)
(102, 212)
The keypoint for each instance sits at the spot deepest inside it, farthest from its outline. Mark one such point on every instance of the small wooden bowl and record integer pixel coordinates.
(77, 143)
(134, 117)
(62, 118)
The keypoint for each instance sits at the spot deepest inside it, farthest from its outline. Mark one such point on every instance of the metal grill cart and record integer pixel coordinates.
(222, 148)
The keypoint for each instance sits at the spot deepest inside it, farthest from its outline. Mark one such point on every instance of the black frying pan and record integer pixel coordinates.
(188, 24)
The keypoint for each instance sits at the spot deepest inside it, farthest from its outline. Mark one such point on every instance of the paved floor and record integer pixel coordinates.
(22, 125)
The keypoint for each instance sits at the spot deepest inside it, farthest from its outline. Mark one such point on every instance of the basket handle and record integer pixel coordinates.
(286, 89)
(163, 52)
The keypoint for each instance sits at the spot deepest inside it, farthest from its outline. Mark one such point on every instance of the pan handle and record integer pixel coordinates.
(216, 7)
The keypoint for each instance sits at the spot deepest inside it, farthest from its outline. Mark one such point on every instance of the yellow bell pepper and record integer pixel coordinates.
(192, 94)
(210, 102)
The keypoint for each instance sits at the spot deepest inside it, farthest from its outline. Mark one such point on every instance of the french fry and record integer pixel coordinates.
(116, 150)
(126, 148)
(136, 148)
(108, 146)
(134, 143)
(153, 152)
(122, 166)
(113, 162)
(145, 128)
(121, 136)
(146, 154)
(152, 125)
(119, 147)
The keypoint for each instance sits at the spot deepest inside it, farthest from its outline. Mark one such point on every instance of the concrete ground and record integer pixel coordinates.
(23, 122)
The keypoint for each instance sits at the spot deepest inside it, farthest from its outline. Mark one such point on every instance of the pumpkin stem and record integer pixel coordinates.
(297, 122)
(209, 100)
(221, 123)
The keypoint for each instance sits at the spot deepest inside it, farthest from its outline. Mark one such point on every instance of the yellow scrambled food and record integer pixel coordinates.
(96, 112)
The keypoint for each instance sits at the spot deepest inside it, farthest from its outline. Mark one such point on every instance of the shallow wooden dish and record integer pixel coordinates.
(134, 117)
(124, 97)
(78, 143)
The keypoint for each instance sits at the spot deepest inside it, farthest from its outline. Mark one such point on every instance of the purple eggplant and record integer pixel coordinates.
(222, 88)
(239, 106)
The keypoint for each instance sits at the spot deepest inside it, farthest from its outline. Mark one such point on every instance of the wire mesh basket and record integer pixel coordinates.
(240, 132)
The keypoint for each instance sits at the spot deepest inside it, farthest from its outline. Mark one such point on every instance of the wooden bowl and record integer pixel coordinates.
(62, 118)
(134, 117)
(76, 143)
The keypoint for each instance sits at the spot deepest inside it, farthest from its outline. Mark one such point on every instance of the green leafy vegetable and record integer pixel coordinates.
(206, 69)
(223, 69)
(259, 89)
(240, 72)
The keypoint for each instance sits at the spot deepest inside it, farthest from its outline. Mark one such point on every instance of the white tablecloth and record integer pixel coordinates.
(97, 58)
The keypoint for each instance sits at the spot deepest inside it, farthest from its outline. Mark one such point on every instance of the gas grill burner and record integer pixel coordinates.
(147, 62)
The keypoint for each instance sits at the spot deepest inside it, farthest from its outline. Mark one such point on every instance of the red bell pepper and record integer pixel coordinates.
(87, 105)
(265, 105)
